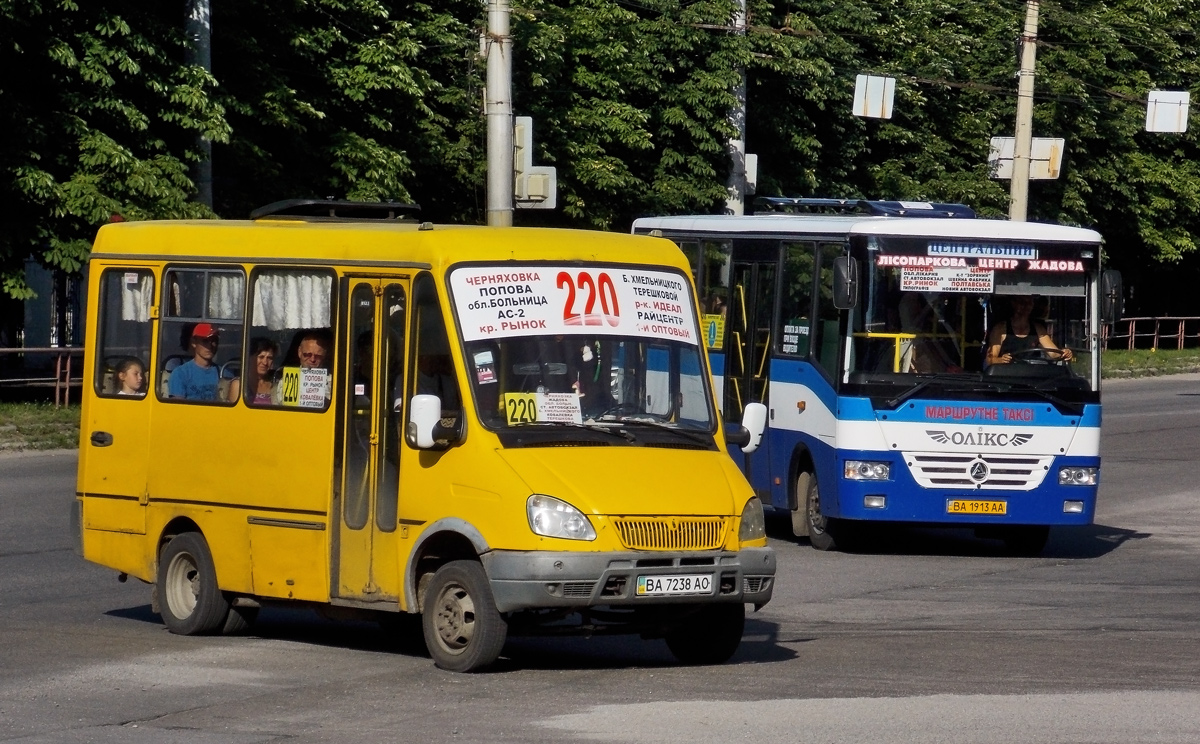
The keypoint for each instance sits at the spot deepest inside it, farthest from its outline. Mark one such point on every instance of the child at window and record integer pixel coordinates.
(131, 375)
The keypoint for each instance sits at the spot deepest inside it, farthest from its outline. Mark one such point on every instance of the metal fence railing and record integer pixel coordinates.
(1166, 332)
(64, 378)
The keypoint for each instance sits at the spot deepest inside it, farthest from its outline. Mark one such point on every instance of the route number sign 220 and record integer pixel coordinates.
(601, 287)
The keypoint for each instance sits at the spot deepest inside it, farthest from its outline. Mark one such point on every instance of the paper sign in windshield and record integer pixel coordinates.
(494, 302)
(521, 408)
(958, 279)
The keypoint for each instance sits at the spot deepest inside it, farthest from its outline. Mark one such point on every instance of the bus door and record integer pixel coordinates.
(371, 358)
(748, 341)
(116, 439)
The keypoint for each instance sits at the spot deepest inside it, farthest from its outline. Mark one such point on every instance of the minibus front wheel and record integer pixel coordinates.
(709, 635)
(190, 601)
(463, 630)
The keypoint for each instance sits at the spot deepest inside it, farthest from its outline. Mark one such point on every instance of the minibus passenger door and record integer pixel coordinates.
(366, 564)
(114, 457)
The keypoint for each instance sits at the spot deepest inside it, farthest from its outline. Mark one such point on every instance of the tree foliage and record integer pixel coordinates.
(374, 99)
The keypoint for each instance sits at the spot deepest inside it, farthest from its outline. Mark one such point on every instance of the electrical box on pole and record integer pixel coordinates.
(535, 186)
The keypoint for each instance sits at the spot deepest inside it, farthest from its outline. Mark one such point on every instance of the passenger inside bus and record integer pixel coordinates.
(130, 375)
(1021, 338)
(923, 314)
(260, 382)
(198, 378)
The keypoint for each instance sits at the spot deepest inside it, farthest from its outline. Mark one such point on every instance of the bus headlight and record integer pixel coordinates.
(551, 517)
(1076, 476)
(754, 525)
(867, 470)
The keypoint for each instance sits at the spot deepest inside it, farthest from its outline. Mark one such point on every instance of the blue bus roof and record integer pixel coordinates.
(840, 226)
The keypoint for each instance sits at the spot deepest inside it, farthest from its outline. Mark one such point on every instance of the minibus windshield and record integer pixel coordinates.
(570, 347)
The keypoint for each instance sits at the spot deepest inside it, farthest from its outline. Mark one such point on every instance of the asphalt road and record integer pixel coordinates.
(933, 636)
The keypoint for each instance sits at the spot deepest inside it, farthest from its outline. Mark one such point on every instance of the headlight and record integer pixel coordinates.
(1074, 476)
(867, 470)
(754, 525)
(551, 517)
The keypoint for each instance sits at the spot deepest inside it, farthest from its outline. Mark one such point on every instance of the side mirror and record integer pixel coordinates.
(1112, 296)
(749, 434)
(845, 282)
(424, 416)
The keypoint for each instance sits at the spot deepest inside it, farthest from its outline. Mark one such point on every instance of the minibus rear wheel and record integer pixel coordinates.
(711, 635)
(463, 631)
(190, 601)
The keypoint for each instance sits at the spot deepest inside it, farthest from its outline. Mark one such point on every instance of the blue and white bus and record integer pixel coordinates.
(865, 332)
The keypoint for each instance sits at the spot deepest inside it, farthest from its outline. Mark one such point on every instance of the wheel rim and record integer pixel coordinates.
(454, 618)
(816, 522)
(182, 585)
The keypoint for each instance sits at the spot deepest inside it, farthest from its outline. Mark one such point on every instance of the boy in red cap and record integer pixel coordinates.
(197, 379)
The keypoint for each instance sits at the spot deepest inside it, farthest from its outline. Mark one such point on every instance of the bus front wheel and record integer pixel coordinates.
(820, 536)
(463, 631)
(190, 601)
(709, 636)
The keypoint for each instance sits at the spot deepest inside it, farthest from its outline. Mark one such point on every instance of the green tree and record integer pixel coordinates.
(99, 118)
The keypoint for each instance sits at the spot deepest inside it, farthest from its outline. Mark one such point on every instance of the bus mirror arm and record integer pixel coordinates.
(425, 430)
(748, 435)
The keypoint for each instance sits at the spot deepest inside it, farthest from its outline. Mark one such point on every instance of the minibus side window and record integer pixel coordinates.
(123, 348)
(825, 338)
(290, 339)
(200, 336)
(434, 372)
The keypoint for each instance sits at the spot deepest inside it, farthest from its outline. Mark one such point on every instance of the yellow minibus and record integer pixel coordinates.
(502, 431)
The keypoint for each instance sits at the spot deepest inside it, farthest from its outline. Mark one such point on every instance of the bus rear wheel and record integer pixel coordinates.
(463, 631)
(190, 601)
(711, 635)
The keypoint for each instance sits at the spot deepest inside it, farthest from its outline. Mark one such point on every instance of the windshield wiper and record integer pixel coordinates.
(616, 432)
(957, 383)
(696, 437)
(1075, 409)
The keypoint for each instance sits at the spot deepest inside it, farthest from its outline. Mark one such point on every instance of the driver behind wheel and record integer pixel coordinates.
(197, 379)
(1020, 335)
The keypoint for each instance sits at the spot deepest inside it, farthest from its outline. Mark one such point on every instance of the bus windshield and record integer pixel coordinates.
(557, 349)
(1013, 318)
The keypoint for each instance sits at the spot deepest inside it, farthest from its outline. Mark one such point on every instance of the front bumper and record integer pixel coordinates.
(537, 579)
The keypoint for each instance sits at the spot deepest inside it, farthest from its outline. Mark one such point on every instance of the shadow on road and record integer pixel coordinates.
(1091, 541)
(401, 634)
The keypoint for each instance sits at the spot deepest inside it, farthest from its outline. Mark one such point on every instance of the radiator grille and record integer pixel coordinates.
(1002, 472)
(671, 533)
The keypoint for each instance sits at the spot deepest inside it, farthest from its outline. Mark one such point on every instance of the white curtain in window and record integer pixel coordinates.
(137, 292)
(292, 300)
(225, 296)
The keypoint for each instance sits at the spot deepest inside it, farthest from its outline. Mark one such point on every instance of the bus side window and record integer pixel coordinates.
(200, 336)
(123, 348)
(290, 315)
(435, 373)
(796, 303)
(825, 338)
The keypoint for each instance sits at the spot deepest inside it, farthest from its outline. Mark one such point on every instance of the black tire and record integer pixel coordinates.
(463, 631)
(711, 635)
(1026, 541)
(239, 620)
(821, 529)
(190, 601)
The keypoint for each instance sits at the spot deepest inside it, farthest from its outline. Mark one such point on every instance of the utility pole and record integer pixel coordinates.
(735, 203)
(499, 114)
(198, 28)
(1022, 147)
